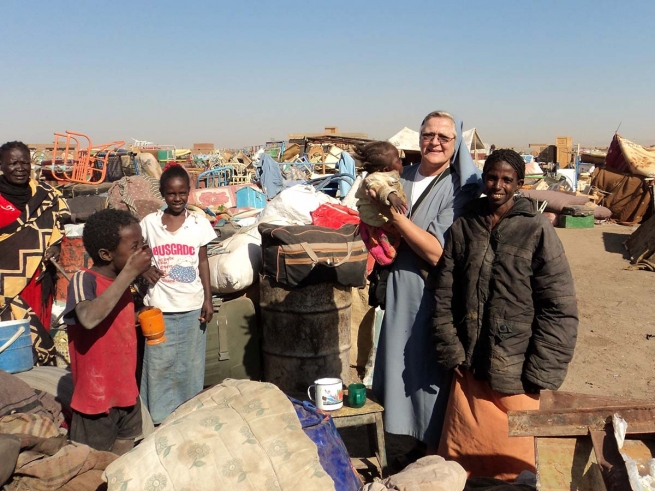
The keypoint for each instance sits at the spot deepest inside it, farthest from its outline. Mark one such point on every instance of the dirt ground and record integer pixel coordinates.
(613, 356)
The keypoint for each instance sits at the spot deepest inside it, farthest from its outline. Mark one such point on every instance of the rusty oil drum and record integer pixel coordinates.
(306, 333)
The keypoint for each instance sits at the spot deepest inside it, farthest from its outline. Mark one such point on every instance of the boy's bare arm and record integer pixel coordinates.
(90, 313)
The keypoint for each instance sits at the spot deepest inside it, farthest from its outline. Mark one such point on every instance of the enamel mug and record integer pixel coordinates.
(328, 393)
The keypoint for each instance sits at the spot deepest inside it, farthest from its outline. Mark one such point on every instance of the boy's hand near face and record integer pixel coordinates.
(139, 262)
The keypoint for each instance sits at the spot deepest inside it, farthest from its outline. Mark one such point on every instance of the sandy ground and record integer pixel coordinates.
(613, 357)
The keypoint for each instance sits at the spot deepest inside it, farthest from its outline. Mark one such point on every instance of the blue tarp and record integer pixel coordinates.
(346, 165)
(270, 176)
(332, 452)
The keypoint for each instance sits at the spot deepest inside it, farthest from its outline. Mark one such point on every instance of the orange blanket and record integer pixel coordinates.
(475, 432)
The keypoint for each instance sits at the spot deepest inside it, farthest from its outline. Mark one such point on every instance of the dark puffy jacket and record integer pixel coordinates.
(505, 300)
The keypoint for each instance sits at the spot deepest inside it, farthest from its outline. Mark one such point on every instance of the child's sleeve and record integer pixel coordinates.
(207, 232)
(82, 287)
(382, 185)
(144, 228)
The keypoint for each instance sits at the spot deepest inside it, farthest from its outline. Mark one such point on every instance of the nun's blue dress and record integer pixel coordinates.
(407, 380)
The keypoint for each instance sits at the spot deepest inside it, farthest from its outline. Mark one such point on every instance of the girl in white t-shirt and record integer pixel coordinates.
(174, 371)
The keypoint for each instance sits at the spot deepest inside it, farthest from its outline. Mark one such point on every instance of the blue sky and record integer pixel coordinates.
(238, 73)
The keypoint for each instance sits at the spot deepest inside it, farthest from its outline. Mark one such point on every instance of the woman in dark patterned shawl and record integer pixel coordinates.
(31, 225)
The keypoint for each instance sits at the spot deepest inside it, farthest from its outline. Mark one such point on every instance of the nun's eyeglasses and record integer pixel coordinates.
(443, 139)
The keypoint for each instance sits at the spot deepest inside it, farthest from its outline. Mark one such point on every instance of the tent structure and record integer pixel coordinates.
(475, 145)
(626, 182)
(406, 140)
(629, 157)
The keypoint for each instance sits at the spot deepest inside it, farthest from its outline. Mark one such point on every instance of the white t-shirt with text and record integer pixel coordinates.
(177, 256)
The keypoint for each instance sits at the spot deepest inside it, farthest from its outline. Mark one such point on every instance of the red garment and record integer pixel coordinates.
(32, 294)
(334, 216)
(103, 359)
(8, 212)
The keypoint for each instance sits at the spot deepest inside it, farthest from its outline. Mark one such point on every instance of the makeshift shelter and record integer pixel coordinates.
(406, 140)
(629, 157)
(475, 145)
(626, 181)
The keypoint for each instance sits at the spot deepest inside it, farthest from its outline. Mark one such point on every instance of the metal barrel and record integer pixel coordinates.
(306, 333)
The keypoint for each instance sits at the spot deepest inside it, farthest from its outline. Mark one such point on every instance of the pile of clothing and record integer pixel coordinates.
(36, 453)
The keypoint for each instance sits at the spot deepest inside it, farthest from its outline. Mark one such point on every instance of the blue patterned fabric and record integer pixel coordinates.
(332, 452)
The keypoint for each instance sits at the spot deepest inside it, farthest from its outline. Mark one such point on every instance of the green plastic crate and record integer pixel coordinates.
(568, 221)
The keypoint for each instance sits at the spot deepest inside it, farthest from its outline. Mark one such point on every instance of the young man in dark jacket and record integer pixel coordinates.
(505, 319)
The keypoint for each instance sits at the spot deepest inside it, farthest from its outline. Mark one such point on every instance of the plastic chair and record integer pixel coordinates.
(220, 176)
(89, 163)
(301, 169)
(330, 184)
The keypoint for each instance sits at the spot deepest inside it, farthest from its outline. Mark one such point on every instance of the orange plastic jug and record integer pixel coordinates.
(152, 326)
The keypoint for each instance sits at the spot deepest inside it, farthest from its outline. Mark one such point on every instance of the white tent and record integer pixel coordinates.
(473, 141)
(475, 145)
(406, 139)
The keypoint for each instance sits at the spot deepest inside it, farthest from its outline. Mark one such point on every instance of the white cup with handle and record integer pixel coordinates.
(328, 393)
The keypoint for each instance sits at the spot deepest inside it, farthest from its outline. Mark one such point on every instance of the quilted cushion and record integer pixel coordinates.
(237, 435)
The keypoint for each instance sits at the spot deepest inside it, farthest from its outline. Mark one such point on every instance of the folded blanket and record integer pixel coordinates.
(17, 396)
(47, 462)
(237, 435)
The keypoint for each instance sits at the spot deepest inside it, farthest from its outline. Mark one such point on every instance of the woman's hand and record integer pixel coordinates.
(52, 252)
(152, 275)
(207, 311)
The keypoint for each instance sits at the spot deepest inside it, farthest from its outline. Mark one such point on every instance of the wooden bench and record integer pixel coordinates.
(369, 415)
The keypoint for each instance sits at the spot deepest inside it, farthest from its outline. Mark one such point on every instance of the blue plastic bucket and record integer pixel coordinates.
(15, 346)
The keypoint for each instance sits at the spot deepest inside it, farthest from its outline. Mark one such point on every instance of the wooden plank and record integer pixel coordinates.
(555, 399)
(578, 422)
(354, 420)
(565, 464)
(369, 407)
